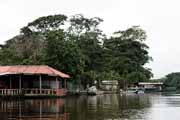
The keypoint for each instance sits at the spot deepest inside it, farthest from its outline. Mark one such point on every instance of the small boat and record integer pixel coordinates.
(134, 91)
(94, 91)
(140, 91)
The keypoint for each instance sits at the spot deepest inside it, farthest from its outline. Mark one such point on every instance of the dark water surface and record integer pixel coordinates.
(102, 107)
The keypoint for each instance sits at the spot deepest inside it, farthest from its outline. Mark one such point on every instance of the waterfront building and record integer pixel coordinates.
(151, 86)
(32, 81)
(110, 85)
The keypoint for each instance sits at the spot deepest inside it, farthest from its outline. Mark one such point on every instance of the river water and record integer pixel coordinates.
(102, 107)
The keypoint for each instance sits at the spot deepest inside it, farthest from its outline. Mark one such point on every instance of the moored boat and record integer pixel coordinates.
(134, 91)
(94, 91)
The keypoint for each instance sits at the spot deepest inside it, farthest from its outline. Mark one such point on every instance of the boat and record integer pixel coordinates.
(94, 91)
(134, 91)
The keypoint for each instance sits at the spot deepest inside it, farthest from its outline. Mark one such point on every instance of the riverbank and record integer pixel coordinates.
(85, 92)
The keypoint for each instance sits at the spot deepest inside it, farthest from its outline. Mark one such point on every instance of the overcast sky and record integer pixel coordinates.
(159, 18)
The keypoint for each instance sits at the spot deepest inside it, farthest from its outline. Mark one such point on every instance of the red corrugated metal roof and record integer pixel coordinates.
(31, 69)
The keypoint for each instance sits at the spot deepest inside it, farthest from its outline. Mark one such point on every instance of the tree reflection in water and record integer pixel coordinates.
(100, 107)
(107, 107)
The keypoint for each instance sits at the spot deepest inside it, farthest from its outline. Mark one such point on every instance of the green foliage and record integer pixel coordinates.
(88, 37)
(44, 24)
(78, 47)
(172, 81)
(111, 75)
(22, 50)
(63, 54)
(135, 77)
(127, 54)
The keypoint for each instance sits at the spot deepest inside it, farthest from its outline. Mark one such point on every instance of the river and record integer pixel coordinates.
(102, 107)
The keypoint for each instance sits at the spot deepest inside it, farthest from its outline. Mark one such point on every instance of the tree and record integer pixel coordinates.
(128, 54)
(45, 24)
(172, 81)
(63, 54)
(77, 46)
(89, 38)
(23, 50)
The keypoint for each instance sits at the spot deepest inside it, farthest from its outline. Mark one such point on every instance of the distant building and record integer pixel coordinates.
(151, 86)
(32, 80)
(109, 85)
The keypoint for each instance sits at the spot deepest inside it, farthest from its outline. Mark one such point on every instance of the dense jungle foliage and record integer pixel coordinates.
(77, 46)
(171, 81)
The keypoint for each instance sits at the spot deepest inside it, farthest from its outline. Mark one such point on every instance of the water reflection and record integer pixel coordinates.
(107, 107)
(103, 107)
(38, 109)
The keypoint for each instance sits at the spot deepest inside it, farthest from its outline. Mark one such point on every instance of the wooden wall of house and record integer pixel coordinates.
(30, 81)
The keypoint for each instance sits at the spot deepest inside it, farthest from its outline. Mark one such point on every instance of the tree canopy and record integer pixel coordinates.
(172, 81)
(76, 45)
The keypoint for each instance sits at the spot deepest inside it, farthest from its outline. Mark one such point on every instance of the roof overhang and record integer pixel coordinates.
(31, 70)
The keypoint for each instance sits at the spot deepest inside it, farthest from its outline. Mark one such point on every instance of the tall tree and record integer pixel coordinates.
(79, 47)
(127, 54)
(23, 50)
(172, 81)
(63, 54)
(89, 39)
(45, 24)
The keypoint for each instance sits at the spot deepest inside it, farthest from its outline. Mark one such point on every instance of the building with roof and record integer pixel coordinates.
(109, 85)
(151, 86)
(32, 80)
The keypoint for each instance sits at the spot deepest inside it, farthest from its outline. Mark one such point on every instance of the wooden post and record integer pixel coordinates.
(40, 84)
(57, 86)
(20, 91)
(57, 83)
(19, 81)
(10, 86)
(49, 83)
(65, 83)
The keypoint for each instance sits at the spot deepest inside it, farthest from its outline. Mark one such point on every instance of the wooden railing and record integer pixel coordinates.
(38, 91)
(35, 92)
(10, 91)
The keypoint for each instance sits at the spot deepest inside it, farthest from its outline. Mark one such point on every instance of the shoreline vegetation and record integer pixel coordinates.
(171, 82)
(77, 46)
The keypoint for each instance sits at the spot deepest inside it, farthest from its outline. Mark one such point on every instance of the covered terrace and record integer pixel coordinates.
(32, 80)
